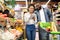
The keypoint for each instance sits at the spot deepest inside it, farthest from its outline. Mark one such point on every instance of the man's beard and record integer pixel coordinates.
(38, 8)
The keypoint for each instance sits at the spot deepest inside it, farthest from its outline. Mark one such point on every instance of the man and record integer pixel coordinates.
(43, 15)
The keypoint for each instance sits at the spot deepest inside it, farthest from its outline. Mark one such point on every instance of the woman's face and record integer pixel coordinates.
(31, 9)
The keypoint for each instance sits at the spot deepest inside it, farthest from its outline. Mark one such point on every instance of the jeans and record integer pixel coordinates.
(30, 32)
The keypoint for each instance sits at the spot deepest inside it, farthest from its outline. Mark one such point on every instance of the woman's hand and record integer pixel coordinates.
(33, 18)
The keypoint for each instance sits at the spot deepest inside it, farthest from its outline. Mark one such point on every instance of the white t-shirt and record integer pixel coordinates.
(42, 16)
(28, 18)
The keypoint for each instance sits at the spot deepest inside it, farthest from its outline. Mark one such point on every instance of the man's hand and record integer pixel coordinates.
(38, 23)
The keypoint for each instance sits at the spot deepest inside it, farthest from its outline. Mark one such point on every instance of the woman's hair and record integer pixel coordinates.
(1, 11)
(6, 11)
(30, 6)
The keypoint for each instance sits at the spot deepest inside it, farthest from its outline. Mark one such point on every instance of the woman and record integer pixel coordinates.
(30, 21)
(7, 12)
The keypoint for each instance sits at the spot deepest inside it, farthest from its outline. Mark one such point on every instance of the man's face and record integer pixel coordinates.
(37, 5)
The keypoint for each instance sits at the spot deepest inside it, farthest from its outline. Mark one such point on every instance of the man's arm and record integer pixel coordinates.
(50, 15)
(37, 16)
